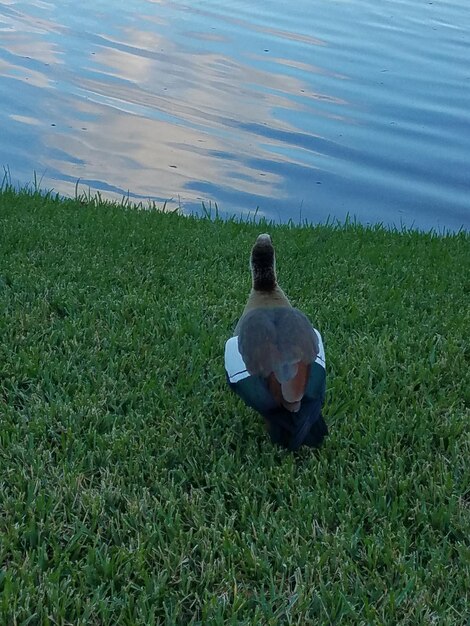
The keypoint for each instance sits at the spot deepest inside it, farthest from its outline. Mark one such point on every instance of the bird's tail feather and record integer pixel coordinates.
(294, 429)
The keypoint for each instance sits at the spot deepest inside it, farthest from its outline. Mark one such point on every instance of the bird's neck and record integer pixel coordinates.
(272, 298)
(264, 278)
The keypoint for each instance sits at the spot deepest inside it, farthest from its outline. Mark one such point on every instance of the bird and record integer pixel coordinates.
(275, 360)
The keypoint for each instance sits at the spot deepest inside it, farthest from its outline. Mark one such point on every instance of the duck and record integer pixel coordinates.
(275, 359)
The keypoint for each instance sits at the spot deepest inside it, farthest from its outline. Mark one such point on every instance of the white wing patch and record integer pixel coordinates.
(234, 364)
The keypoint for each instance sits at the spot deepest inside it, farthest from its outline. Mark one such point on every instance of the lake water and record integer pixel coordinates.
(307, 110)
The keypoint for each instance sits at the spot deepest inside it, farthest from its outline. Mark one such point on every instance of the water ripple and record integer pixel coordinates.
(328, 109)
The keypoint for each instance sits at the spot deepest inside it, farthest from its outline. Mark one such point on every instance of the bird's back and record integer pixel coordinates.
(279, 344)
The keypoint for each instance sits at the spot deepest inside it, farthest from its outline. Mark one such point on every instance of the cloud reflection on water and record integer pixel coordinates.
(166, 100)
(146, 112)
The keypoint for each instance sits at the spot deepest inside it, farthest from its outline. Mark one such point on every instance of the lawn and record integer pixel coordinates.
(136, 489)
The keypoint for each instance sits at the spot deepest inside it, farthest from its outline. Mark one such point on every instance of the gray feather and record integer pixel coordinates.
(275, 340)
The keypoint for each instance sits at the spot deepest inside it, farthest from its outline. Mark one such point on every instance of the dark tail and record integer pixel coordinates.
(291, 430)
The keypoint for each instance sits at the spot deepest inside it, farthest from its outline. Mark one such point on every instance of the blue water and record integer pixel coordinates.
(313, 110)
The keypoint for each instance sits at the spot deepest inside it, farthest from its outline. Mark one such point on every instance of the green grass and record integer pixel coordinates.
(137, 490)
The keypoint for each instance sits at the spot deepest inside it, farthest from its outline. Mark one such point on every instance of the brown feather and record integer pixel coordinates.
(293, 390)
(275, 388)
(290, 394)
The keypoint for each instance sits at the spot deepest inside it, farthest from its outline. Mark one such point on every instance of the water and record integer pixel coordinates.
(324, 109)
